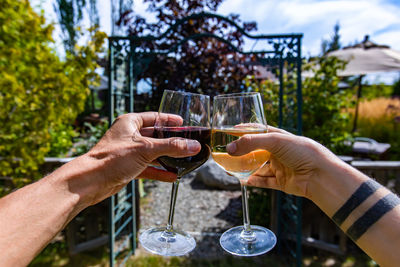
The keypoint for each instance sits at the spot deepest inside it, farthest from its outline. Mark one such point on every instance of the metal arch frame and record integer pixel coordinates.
(124, 50)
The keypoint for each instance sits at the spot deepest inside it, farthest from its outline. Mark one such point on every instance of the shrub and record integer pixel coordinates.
(324, 105)
(39, 91)
(91, 135)
(379, 119)
(396, 88)
(61, 140)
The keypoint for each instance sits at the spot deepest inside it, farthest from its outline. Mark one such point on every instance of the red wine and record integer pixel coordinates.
(182, 166)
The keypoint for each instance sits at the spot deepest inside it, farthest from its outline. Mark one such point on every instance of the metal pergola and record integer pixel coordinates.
(127, 60)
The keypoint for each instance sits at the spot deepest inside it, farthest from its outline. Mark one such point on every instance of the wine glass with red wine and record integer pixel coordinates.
(185, 115)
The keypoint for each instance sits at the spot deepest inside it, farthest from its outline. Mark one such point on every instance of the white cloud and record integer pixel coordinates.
(316, 19)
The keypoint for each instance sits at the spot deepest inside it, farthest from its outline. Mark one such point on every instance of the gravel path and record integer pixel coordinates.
(203, 212)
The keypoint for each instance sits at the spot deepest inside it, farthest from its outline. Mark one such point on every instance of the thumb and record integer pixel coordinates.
(249, 142)
(174, 147)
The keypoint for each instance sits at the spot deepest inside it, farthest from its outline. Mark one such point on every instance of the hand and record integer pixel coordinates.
(31, 216)
(295, 161)
(125, 152)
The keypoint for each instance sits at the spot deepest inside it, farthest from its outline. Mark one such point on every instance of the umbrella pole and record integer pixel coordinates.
(357, 102)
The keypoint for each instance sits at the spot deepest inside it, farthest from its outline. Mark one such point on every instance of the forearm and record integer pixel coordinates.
(349, 197)
(333, 183)
(34, 214)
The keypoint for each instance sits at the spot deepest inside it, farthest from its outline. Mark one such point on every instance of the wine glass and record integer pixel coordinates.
(185, 115)
(235, 115)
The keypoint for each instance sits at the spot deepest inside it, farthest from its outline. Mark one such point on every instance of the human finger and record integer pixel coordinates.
(251, 125)
(162, 119)
(157, 174)
(249, 142)
(174, 147)
(147, 131)
(263, 181)
(155, 163)
(265, 170)
(272, 129)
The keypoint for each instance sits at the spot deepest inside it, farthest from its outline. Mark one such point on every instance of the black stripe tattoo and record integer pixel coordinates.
(383, 206)
(362, 193)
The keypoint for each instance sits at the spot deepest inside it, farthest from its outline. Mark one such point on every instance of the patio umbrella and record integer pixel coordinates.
(366, 58)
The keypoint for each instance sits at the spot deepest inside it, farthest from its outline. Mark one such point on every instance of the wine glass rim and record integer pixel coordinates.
(237, 95)
(186, 93)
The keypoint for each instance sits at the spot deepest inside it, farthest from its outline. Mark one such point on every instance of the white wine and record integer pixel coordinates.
(239, 166)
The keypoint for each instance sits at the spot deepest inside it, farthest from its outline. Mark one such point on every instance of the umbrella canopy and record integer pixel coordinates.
(367, 57)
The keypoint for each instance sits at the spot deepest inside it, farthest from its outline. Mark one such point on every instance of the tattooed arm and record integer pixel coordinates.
(366, 211)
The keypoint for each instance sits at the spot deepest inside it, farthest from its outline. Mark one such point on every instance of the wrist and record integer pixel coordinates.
(78, 179)
(334, 181)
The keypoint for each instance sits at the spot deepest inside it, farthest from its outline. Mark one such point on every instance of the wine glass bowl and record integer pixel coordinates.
(235, 115)
(182, 166)
(239, 166)
(184, 115)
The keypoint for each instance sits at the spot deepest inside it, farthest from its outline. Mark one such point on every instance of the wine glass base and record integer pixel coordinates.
(156, 241)
(232, 242)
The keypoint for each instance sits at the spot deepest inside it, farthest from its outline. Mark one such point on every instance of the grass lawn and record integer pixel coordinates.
(56, 254)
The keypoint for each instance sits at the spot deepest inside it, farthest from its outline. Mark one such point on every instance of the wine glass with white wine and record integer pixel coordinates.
(235, 115)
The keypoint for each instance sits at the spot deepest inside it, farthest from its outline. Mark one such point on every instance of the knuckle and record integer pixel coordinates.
(146, 149)
(310, 144)
(248, 138)
(275, 140)
(122, 117)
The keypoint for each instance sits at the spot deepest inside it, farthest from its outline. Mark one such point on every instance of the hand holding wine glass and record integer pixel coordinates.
(234, 116)
(194, 113)
(295, 164)
(127, 149)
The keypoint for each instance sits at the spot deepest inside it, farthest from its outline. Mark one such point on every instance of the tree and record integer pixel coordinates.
(118, 9)
(324, 105)
(70, 14)
(334, 43)
(325, 117)
(203, 65)
(39, 92)
(396, 88)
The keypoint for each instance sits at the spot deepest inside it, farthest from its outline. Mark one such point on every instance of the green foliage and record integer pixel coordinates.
(376, 90)
(324, 116)
(269, 91)
(260, 200)
(56, 254)
(39, 92)
(396, 88)
(324, 104)
(202, 65)
(61, 140)
(223, 261)
(70, 13)
(379, 119)
(89, 138)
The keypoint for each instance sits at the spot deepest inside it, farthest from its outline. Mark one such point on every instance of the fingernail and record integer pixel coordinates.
(193, 145)
(231, 148)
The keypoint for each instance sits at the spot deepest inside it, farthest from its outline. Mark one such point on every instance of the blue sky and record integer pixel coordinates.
(314, 18)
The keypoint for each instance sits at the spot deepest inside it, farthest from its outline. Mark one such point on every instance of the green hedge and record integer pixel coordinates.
(39, 92)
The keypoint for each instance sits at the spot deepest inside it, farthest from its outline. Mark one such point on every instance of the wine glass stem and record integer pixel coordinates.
(174, 193)
(247, 234)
